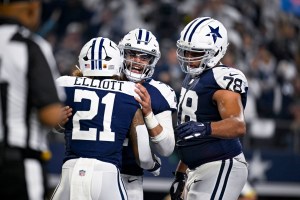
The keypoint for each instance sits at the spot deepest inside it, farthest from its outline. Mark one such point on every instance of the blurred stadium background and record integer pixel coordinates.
(264, 43)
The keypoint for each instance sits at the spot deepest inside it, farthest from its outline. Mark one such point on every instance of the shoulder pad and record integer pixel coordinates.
(167, 92)
(230, 79)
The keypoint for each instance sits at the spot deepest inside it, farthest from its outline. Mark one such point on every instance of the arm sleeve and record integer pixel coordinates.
(145, 155)
(164, 143)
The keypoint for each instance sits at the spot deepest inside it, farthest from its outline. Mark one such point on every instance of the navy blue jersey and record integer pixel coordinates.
(101, 118)
(163, 98)
(196, 104)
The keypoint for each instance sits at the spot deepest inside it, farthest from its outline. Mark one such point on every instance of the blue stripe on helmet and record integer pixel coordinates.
(189, 29)
(100, 54)
(194, 29)
(92, 56)
(147, 37)
(140, 36)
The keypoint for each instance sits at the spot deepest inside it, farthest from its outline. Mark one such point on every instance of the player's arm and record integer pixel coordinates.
(232, 124)
(164, 142)
(181, 167)
(229, 102)
(231, 110)
(66, 112)
(233, 84)
(160, 126)
(50, 114)
(140, 143)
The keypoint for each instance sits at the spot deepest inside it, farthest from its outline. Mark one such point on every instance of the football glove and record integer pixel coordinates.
(157, 164)
(177, 186)
(192, 129)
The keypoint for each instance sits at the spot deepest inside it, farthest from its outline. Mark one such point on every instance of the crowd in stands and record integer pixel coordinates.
(264, 43)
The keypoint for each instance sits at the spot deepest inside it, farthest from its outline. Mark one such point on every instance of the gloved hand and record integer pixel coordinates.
(192, 129)
(177, 186)
(157, 164)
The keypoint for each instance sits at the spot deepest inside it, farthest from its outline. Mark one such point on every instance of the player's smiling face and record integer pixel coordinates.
(137, 60)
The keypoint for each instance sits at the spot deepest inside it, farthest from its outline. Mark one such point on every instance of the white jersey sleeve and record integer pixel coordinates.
(230, 79)
(164, 143)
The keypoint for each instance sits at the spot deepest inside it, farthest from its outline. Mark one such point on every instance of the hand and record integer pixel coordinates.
(144, 100)
(157, 165)
(192, 129)
(177, 186)
(66, 113)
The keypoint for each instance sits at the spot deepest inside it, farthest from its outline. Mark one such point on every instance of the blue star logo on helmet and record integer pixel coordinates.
(214, 32)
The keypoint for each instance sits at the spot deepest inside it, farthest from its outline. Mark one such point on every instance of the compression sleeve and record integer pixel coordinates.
(164, 142)
(144, 150)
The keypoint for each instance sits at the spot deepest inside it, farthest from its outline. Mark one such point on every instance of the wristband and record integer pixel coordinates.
(150, 121)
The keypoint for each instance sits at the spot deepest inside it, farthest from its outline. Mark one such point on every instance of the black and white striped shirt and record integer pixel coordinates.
(27, 74)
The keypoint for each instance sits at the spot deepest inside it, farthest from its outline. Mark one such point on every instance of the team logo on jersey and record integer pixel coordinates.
(214, 32)
(81, 172)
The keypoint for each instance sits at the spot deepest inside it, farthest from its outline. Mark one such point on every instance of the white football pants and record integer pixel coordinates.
(134, 186)
(221, 180)
(89, 179)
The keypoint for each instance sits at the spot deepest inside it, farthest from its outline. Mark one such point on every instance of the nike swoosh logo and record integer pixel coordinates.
(230, 74)
(129, 181)
(195, 181)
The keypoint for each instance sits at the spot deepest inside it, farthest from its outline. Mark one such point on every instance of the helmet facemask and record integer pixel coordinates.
(140, 51)
(138, 69)
(188, 59)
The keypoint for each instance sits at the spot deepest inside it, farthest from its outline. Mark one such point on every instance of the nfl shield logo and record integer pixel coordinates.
(81, 173)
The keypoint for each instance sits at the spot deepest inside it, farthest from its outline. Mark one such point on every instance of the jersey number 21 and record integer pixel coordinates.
(91, 134)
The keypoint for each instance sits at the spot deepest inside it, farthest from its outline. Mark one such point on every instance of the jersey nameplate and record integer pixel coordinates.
(95, 83)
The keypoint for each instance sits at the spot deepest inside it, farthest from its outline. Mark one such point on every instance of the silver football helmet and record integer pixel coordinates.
(100, 57)
(203, 40)
(140, 51)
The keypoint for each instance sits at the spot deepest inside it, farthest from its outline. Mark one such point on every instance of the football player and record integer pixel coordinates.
(104, 110)
(140, 51)
(210, 116)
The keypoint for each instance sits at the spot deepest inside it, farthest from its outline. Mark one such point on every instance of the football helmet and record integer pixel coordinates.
(100, 57)
(143, 44)
(204, 40)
